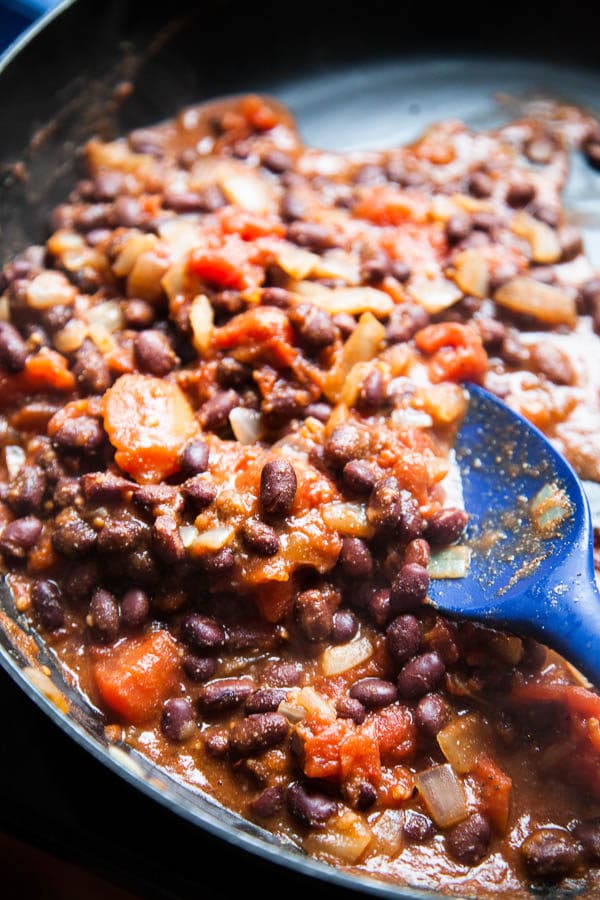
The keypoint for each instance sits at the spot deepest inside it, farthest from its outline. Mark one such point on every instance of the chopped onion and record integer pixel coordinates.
(107, 314)
(348, 300)
(434, 295)
(342, 657)
(136, 243)
(4, 309)
(214, 538)
(314, 704)
(338, 264)
(471, 273)
(549, 508)
(443, 795)
(546, 303)
(188, 535)
(361, 346)
(248, 191)
(173, 281)
(387, 832)
(347, 518)
(145, 278)
(118, 155)
(543, 240)
(202, 321)
(463, 740)
(246, 424)
(452, 562)
(102, 338)
(292, 712)
(181, 236)
(50, 289)
(14, 457)
(71, 337)
(344, 840)
(295, 262)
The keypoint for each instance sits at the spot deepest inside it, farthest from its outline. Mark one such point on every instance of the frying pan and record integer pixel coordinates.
(354, 77)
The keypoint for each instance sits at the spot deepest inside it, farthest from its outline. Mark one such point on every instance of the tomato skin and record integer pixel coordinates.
(396, 733)
(135, 677)
(457, 352)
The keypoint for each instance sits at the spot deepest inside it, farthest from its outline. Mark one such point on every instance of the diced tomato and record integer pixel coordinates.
(322, 750)
(264, 332)
(45, 371)
(258, 113)
(273, 600)
(136, 676)
(456, 350)
(248, 225)
(396, 787)
(359, 754)
(495, 789)
(387, 205)
(396, 734)
(148, 421)
(228, 263)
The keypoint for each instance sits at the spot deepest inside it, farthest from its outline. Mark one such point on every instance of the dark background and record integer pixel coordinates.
(53, 795)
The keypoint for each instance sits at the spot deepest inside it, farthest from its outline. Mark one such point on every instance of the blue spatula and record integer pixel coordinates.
(530, 533)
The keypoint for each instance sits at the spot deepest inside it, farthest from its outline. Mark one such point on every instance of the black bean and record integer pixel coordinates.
(421, 675)
(26, 491)
(142, 567)
(355, 558)
(128, 212)
(379, 607)
(549, 360)
(320, 411)
(260, 538)
(403, 638)
(590, 295)
(282, 674)
(480, 185)
(359, 793)
(103, 615)
(202, 633)
(199, 492)
(13, 350)
(549, 214)
(492, 333)
(591, 147)
(571, 242)
(135, 608)
(97, 236)
(199, 668)
(588, 835)
(108, 185)
(20, 536)
(513, 351)
(312, 235)
(219, 563)
(409, 588)
(268, 802)
(519, 193)
(166, 540)
(265, 699)
(550, 854)
(46, 600)
(391, 509)
(105, 487)
(468, 841)
(276, 296)
(346, 323)
(82, 434)
(81, 579)
(314, 614)
(121, 534)
(252, 635)
(310, 809)
(257, 733)
(344, 626)
(418, 551)
(93, 216)
(345, 443)
(431, 714)
(214, 414)
(283, 403)
(314, 326)
(91, 369)
(372, 392)
(276, 160)
(233, 374)
(374, 693)
(177, 721)
(404, 322)
(458, 228)
(138, 313)
(375, 268)
(183, 201)
(224, 694)
(446, 526)
(72, 536)
(400, 270)
(417, 827)
(154, 354)
(216, 742)
(359, 477)
(292, 206)
(351, 708)
(277, 487)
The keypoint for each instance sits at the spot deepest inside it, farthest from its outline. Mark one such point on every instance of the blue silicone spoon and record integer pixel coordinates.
(533, 585)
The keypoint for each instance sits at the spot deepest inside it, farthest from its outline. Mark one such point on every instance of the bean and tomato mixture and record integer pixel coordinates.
(230, 382)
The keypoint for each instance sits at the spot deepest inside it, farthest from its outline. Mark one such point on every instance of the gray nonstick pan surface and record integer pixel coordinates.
(354, 77)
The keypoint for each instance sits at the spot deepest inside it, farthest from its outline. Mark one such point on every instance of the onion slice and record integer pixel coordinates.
(341, 658)
(443, 795)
